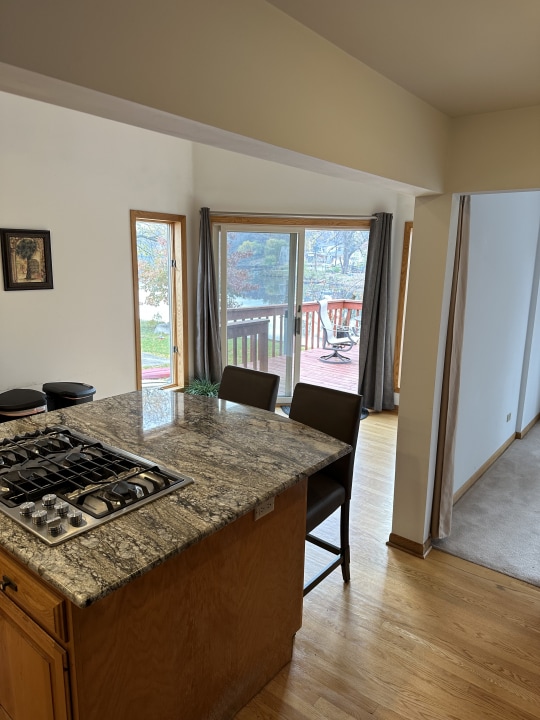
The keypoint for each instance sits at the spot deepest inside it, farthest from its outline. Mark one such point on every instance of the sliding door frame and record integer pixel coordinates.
(282, 222)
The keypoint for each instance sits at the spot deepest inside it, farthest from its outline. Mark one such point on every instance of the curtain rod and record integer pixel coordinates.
(226, 213)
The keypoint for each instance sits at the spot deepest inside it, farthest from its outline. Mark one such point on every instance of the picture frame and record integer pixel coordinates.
(26, 259)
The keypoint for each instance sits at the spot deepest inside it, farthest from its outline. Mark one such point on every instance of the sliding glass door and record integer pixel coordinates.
(261, 299)
(273, 272)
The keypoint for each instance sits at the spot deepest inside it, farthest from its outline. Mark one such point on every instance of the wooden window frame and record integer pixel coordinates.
(288, 221)
(179, 326)
(402, 302)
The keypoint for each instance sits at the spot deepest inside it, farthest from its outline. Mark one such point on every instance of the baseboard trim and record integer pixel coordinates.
(521, 434)
(481, 470)
(409, 546)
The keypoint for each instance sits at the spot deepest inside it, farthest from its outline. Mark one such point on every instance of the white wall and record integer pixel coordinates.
(530, 386)
(430, 276)
(365, 123)
(78, 176)
(490, 152)
(223, 179)
(242, 66)
(503, 248)
(232, 182)
(495, 151)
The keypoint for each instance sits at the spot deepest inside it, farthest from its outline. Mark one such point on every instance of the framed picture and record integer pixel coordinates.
(26, 259)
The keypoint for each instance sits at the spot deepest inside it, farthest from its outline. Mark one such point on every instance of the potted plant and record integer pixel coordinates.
(202, 386)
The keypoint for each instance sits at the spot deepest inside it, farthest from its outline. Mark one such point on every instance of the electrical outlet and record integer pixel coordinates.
(508, 417)
(264, 508)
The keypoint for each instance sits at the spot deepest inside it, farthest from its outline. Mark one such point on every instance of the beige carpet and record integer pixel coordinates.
(497, 522)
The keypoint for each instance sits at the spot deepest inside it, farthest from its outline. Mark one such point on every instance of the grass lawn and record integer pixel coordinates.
(154, 343)
(158, 345)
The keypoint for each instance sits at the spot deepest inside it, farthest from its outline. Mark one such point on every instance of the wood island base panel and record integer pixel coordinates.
(183, 609)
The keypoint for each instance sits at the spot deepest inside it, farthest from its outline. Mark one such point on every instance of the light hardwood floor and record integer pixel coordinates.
(433, 639)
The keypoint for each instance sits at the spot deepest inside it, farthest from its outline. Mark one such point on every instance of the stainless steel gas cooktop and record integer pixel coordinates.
(58, 483)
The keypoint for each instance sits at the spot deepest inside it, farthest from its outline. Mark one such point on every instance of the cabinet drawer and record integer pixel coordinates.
(34, 597)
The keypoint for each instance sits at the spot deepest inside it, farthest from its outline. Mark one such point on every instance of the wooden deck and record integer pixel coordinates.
(342, 376)
(338, 375)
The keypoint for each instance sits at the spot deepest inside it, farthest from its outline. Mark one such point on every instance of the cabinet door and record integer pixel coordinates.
(33, 679)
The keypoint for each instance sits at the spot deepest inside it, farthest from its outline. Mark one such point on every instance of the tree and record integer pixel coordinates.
(238, 283)
(250, 247)
(272, 250)
(341, 244)
(153, 255)
(26, 249)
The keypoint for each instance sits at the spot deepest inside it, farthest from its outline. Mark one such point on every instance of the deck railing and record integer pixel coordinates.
(248, 339)
(249, 344)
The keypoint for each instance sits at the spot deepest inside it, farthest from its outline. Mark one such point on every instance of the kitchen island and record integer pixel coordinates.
(183, 608)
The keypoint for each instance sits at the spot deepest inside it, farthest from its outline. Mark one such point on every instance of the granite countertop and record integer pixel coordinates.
(238, 457)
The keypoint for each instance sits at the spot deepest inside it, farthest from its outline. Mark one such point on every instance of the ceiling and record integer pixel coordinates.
(460, 56)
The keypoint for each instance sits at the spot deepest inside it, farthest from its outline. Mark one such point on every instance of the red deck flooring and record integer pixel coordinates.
(341, 376)
(338, 375)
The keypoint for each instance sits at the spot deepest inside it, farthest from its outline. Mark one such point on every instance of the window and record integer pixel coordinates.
(159, 287)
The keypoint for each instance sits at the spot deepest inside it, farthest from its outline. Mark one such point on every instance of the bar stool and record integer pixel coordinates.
(249, 387)
(65, 394)
(21, 402)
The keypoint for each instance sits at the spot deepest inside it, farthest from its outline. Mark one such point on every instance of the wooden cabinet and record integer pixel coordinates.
(196, 637)
(43, 605)
(32, 669)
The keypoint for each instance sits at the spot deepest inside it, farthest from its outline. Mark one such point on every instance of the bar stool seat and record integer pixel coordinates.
(21, 402)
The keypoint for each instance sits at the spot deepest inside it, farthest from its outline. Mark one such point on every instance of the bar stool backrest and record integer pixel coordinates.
(249, 387)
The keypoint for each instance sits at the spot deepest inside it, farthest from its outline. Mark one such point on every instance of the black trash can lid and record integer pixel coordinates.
(69, 389)
(21, 399)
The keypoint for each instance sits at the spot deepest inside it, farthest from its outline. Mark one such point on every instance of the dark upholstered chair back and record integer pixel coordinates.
(249, 387)
(334, 412)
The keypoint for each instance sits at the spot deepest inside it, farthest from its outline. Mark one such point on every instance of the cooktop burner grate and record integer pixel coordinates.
(58, 483)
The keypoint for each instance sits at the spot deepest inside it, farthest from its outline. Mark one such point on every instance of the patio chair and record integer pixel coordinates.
(336, 413)
(338, 338)
(249, 387)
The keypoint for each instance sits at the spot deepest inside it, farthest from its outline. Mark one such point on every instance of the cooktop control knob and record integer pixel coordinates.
(48, 500)
(39, 517)
(54, 526)
(61, 508)
(27, 508)
(76, 518)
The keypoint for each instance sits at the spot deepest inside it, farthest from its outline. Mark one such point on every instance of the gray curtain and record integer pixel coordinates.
(376, 381)
(207, 339)
(443, 492)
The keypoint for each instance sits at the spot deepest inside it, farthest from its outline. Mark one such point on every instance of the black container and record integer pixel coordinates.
(21, 402)
(65, 394)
